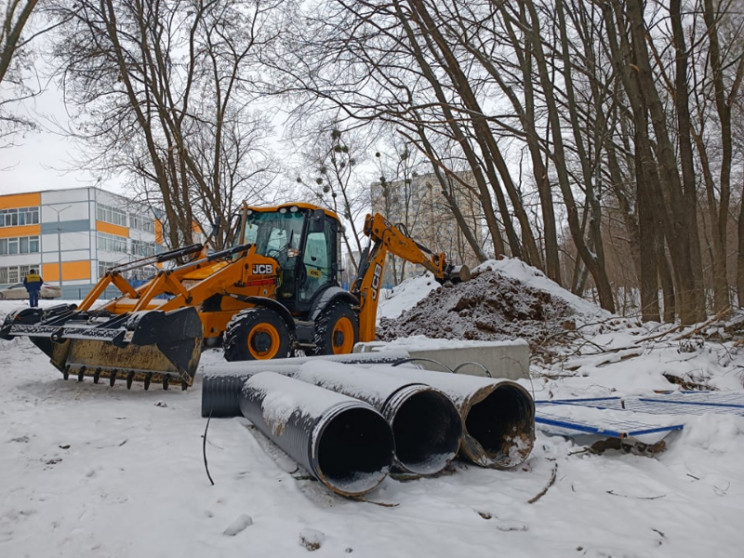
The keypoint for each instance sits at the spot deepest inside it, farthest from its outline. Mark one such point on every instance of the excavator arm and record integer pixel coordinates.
(388, 238)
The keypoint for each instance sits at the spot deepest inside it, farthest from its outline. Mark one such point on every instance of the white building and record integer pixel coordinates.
(72, 236)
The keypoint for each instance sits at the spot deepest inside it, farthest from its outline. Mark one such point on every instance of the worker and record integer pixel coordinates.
(33, 283)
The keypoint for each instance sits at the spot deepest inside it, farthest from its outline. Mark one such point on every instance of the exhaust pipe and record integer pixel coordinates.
(498, 415)
(342, 442)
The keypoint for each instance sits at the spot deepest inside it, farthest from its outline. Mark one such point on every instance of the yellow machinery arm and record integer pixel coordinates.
(386, 237)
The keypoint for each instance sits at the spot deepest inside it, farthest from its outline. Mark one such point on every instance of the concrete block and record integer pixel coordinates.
(502, 359)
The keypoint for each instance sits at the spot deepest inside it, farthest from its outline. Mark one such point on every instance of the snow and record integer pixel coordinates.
(89, 470)
(532, 277)
(404, 296)
(283, 397)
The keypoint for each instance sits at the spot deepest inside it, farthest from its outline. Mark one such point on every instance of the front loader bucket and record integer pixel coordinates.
(150, 346)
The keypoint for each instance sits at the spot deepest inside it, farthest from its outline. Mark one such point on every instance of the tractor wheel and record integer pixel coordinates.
(336, 330)
(257, 334)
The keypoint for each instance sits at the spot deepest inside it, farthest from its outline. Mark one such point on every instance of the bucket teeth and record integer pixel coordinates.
(150, 346)
(127, 375)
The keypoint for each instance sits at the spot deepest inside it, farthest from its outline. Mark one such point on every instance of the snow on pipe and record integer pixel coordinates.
(245, 368)
(426, 425)
(341, 441)
(222, 383)
(498, 415)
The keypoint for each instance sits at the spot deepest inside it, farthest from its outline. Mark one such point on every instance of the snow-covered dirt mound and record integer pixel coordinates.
(504, 299)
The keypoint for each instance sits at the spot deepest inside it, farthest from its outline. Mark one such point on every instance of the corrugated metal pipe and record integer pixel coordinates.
(341, 441)
(498, 415)
(222, 383)
(426, 425)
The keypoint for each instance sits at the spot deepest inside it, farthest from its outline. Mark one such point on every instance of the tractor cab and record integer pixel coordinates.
(303, 239)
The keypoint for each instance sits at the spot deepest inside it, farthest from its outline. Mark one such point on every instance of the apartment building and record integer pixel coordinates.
(419, 205)
(73, 236)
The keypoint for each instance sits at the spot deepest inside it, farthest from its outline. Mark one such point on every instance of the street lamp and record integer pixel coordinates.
(59, 240)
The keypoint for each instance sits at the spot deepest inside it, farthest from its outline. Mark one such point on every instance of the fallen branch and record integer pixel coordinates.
(702, 326)
(613, 493)
(544, 491)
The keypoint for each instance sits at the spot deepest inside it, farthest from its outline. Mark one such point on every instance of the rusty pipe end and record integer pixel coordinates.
(499, 426)
(426, 426)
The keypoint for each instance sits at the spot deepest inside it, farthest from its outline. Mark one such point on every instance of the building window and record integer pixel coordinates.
(19, 245)
(13, 274)
(142, 248)
(142, 223)
(112, 243)
(111, 215)
(103, 267)
(19, 216)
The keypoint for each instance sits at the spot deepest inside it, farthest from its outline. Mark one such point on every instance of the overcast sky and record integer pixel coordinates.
(41, 160)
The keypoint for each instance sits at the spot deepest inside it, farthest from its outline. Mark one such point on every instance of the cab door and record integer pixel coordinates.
(318, 256)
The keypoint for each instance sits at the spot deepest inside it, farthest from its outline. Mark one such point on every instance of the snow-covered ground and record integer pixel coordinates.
(88, 471)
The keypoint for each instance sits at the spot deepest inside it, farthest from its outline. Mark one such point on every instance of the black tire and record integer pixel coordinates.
(336, 330)
(257, 334)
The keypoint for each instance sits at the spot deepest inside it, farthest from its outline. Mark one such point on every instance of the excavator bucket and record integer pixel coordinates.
(150, 346)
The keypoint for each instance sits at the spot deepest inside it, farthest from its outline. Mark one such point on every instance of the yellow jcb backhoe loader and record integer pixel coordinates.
(273, 292)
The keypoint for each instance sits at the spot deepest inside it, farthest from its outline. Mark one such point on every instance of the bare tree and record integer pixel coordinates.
(15, 17)
(333, 181)
(164, 96)
(14, 67)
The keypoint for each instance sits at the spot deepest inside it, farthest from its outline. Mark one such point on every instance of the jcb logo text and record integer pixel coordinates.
(263, 269)
(376, 281)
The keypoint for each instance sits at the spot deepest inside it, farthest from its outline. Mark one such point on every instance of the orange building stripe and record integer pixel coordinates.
(20, 200)
(158, 232)
(71, 271)
(22, 230)
(109, 228)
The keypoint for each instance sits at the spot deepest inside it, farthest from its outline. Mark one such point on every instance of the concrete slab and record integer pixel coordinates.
(498, 359)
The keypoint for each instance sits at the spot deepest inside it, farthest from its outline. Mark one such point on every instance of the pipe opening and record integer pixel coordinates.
(503, 425)
(427, 430)
(355, 450)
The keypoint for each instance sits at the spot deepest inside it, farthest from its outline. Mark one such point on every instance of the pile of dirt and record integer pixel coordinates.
(491, 306)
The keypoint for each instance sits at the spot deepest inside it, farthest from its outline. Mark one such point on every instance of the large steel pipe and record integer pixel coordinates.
(282, 365)
(221, 396)
(498, 415)
(343, 442)
(426, 425)
(222, 383)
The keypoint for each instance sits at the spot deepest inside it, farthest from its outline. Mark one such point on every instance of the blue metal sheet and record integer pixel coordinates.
(610, 427)
(552, 413)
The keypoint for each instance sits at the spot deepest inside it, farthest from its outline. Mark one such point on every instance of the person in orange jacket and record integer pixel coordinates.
(33, 283)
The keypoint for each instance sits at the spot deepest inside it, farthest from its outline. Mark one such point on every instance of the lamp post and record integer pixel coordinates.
(59, 240)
